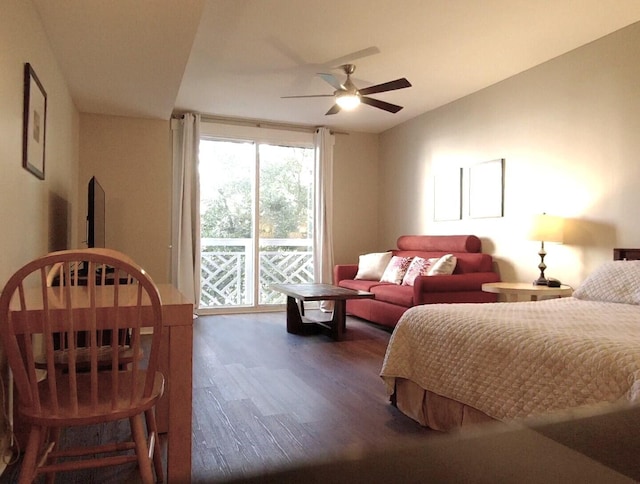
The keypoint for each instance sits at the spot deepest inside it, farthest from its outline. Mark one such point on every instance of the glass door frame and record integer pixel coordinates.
(302, 138)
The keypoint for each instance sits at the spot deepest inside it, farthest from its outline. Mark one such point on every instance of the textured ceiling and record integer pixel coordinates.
(238, 58)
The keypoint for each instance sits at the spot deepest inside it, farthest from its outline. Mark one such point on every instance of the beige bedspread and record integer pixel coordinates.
(515, 360)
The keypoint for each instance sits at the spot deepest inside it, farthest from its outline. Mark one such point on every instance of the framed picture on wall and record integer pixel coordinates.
(447, 195)
(34, 123)
(486, 189)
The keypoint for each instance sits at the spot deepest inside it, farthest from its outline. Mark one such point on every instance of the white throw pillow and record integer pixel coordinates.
(444, 266)
(372, 266)
(396, 269)
(615, 281)
(418, 267)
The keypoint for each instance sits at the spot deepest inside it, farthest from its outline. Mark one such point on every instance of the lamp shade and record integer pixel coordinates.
(547, 228)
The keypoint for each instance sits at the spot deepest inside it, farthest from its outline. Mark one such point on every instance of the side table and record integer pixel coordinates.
(516, 291)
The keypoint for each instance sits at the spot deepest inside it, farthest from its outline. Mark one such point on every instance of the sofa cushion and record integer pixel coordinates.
(372, 266)
(473, 263)
(394, 294)
(396, 269)
(359, 284)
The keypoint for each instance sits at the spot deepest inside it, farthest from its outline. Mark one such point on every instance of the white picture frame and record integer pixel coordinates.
(486, 189)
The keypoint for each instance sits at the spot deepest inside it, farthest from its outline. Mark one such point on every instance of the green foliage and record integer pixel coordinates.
(286, 176)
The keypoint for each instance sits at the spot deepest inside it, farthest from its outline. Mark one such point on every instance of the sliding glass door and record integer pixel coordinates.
(256, 214)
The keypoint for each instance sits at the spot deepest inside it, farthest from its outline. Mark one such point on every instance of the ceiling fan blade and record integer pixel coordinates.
(331, 79)
(334, 110)
(310, 95)
(376, 103)
(387, 86)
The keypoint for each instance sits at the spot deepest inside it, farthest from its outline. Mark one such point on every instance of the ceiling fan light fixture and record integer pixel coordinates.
(347, 100)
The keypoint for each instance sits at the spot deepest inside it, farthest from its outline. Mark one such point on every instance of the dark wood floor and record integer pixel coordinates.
(264, 399)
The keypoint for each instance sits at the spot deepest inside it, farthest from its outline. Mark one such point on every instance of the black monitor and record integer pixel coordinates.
(96, 215)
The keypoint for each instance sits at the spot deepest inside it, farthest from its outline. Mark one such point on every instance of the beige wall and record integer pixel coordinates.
(131, 158)
(355, 215)
(36, 215)
(568, 130)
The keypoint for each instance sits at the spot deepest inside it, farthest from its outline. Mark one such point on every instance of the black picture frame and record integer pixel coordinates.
(34, 123)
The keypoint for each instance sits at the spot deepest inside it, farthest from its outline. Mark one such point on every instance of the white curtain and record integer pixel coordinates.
(185, 261)
(323, 206)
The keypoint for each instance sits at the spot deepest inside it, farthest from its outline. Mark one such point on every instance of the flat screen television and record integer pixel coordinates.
(96, 215)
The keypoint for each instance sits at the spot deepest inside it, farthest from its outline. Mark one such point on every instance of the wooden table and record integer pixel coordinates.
(174, 409)
(176, 363)
(297, 294)
(514, 291)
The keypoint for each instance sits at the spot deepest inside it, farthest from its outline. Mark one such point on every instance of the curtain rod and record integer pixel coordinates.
(257, 123)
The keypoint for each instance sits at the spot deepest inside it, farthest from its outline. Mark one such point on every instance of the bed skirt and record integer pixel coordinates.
(432, 410)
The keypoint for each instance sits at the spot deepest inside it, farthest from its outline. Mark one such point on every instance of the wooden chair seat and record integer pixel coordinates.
(83, 357)
(103, 409)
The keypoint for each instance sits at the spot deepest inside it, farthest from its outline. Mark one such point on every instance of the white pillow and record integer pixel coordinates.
(372, 266)
(444, 266)
(396, 269)
(615, 281)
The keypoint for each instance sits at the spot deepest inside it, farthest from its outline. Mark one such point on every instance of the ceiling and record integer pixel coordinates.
(237, 58)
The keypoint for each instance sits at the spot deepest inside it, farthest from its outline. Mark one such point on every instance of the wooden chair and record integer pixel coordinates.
(80, 396)
(77, 275)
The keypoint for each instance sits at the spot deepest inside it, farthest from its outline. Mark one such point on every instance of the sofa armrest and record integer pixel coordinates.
(344, 271)
(471, 281)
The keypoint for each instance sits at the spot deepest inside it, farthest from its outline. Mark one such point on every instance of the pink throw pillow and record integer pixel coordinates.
(418, 267)
(396, 269)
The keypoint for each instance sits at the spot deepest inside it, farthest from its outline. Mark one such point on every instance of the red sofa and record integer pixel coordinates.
(473, 268)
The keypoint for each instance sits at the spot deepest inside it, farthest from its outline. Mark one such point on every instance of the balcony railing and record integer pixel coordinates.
(227, 270)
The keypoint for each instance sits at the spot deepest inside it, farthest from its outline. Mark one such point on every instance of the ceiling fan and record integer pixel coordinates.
(348, 96)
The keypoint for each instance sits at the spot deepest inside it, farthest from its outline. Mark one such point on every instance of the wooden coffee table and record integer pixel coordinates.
(297, 294)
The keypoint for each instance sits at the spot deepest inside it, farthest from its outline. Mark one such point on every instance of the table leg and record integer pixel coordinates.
(339, 319)
(294, 318)
(179, 401)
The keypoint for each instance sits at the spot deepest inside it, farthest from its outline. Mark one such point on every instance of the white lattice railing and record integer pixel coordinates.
(227, 270)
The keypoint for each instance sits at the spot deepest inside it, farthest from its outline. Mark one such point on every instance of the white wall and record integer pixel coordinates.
(568, 130)
(35, 215)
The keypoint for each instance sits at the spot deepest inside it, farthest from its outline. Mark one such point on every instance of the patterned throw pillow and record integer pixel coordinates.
(419, 267)
(396, 269)
(444, 266)
(372, 266)
(615, 281)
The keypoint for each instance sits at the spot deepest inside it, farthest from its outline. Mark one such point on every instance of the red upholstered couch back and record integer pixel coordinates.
(466, 248)
(440, 243)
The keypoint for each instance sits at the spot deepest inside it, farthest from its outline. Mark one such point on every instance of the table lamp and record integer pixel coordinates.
(545, 228)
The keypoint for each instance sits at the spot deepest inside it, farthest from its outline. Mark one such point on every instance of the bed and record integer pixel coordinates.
(449, 365)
